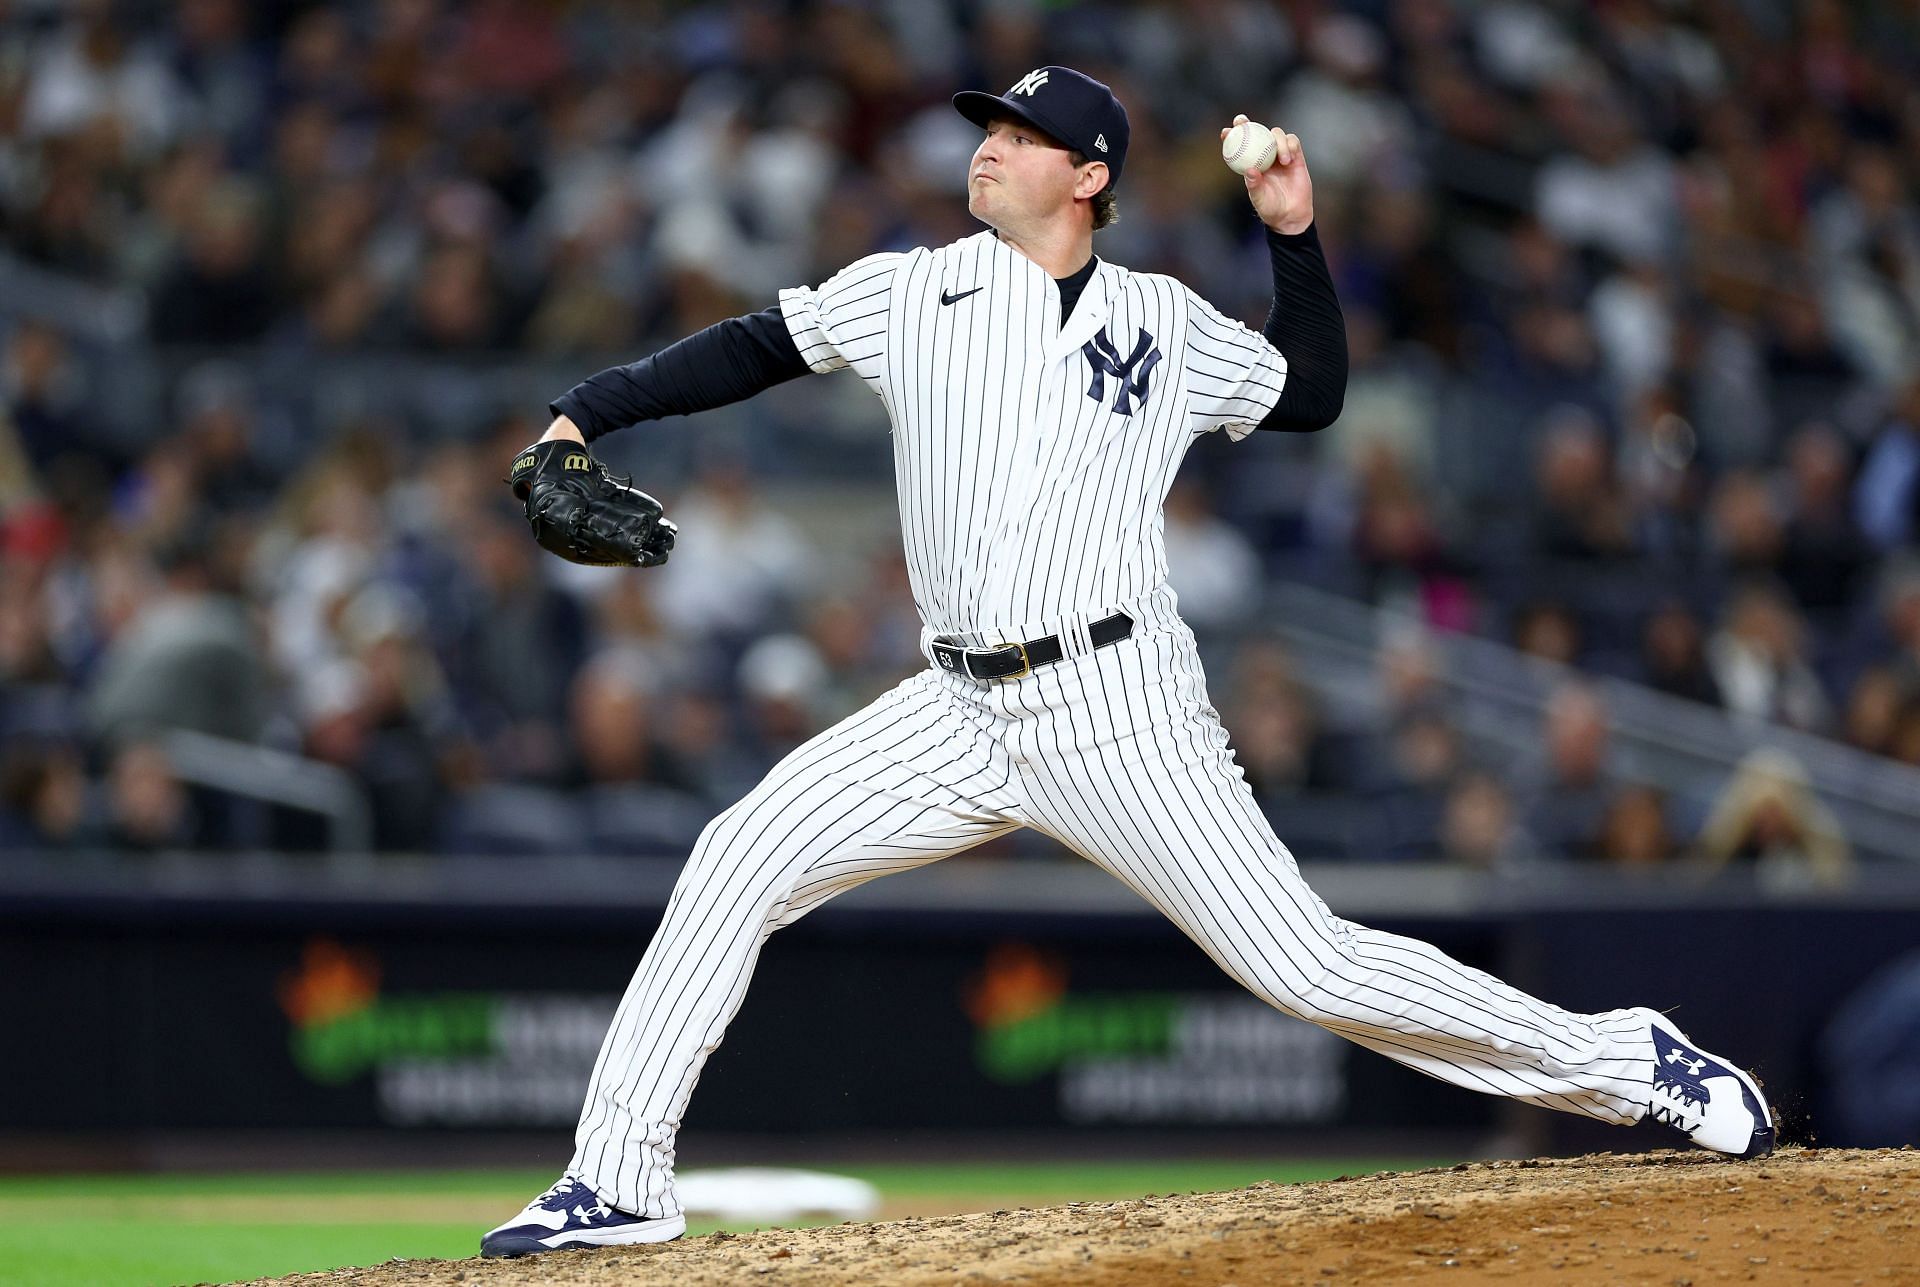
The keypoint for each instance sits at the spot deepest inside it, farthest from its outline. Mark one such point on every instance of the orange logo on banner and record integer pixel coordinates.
(1018, 982)
(331, 981)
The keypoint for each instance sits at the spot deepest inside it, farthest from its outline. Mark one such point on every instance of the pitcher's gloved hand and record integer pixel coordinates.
(581, 511)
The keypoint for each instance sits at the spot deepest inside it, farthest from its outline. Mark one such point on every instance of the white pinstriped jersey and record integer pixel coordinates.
(1032, 465)
(1032, 460)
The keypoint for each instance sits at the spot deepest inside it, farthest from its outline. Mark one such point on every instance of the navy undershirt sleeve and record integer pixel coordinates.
(1309, 330)
(727, 362)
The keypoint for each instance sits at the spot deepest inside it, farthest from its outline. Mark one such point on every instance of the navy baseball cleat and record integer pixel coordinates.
(571, 1215)
(1716, 1105)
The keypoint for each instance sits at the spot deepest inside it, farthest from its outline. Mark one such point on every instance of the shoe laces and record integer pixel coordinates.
(1676, 1103)
(569, 1193)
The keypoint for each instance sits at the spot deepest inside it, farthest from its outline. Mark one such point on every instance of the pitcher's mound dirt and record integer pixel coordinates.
(1801, 1216)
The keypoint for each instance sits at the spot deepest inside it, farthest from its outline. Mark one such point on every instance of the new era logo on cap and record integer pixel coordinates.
(1101, 142)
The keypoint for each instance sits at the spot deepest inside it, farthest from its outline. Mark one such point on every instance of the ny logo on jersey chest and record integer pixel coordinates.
(1130, 373)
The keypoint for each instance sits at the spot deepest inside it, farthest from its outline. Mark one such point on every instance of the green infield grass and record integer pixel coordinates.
(117, 1231)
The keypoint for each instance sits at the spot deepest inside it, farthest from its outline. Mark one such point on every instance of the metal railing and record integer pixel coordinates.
(1688, 749)
(275, 777)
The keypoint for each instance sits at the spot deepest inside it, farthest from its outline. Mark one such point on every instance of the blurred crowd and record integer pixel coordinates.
(1633, 297)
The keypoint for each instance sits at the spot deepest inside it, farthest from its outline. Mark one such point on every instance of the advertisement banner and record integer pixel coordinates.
(847, 1026)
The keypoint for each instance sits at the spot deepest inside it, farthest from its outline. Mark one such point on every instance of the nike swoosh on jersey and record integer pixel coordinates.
(955, 299)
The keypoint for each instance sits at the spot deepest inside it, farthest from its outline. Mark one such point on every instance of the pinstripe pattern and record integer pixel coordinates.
(1123, 759)
(906, 781)
(1030, 506)
(1118, 754)
(1021, 497)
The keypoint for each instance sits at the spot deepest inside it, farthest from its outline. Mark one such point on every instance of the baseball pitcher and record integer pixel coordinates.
(1041, 400)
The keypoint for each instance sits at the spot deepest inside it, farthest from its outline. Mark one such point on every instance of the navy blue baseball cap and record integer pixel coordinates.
(1072, 106)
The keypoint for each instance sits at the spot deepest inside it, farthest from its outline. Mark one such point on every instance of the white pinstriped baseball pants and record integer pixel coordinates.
(1118, 754)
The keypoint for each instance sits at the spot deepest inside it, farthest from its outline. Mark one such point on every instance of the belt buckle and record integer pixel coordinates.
(1026, 665)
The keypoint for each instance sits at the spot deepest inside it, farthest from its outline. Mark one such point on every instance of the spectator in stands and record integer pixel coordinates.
(1661, 475)
(382, 712)
(781, 679)
(1408, 666)
(842, 634)
(147, 808)
(638, 792)
(1631, 315)
(1580, 515)
(1294, 762)
(219, 435)
(611, 725)
(1825, 552)
(1673, 655)
(332, 541)
(1897, 645)
(1760, 663)
(1615, 192)
(748, 565)
(1904, 742)
(43, 396)
(27, 655)
(1549, 630)
(1210, 564)
(1635, 831)
(1340, 96)
(1769, 817)
(219, 292)
(1535, 269)
(1479, 828)
(1809, 375)
(1398, 544)
(711, 760)
(457, 303)
(1866, 234)
(1748, 533)
(1277, 741)
(190, 659)
(221, 75)
(1564, 801)
(1875, 708)
(1407, 787)
(43, 796)
(1887, 494)
(514, 645)
(96, 76)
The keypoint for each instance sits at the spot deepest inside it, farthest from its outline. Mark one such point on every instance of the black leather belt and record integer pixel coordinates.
(1016, 660)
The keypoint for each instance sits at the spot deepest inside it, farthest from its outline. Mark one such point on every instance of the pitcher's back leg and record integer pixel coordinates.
(1149, 791)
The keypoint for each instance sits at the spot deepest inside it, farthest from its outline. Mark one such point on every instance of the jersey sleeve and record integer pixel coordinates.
(1234, 376)
(844, 322)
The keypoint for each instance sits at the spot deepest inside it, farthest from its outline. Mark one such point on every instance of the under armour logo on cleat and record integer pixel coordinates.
(1693, 1066)
(1031, 81)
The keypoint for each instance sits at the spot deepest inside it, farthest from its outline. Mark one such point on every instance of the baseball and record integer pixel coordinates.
(1249, 145)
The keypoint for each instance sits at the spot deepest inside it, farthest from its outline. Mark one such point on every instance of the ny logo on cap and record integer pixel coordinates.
(1031, 81)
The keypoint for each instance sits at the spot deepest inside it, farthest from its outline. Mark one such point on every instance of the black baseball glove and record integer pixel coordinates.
(584, 513)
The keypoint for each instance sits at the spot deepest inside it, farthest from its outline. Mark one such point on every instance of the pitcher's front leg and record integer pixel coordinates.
(896, 786)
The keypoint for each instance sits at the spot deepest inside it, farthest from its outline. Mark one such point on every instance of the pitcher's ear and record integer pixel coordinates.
(1093, 177)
